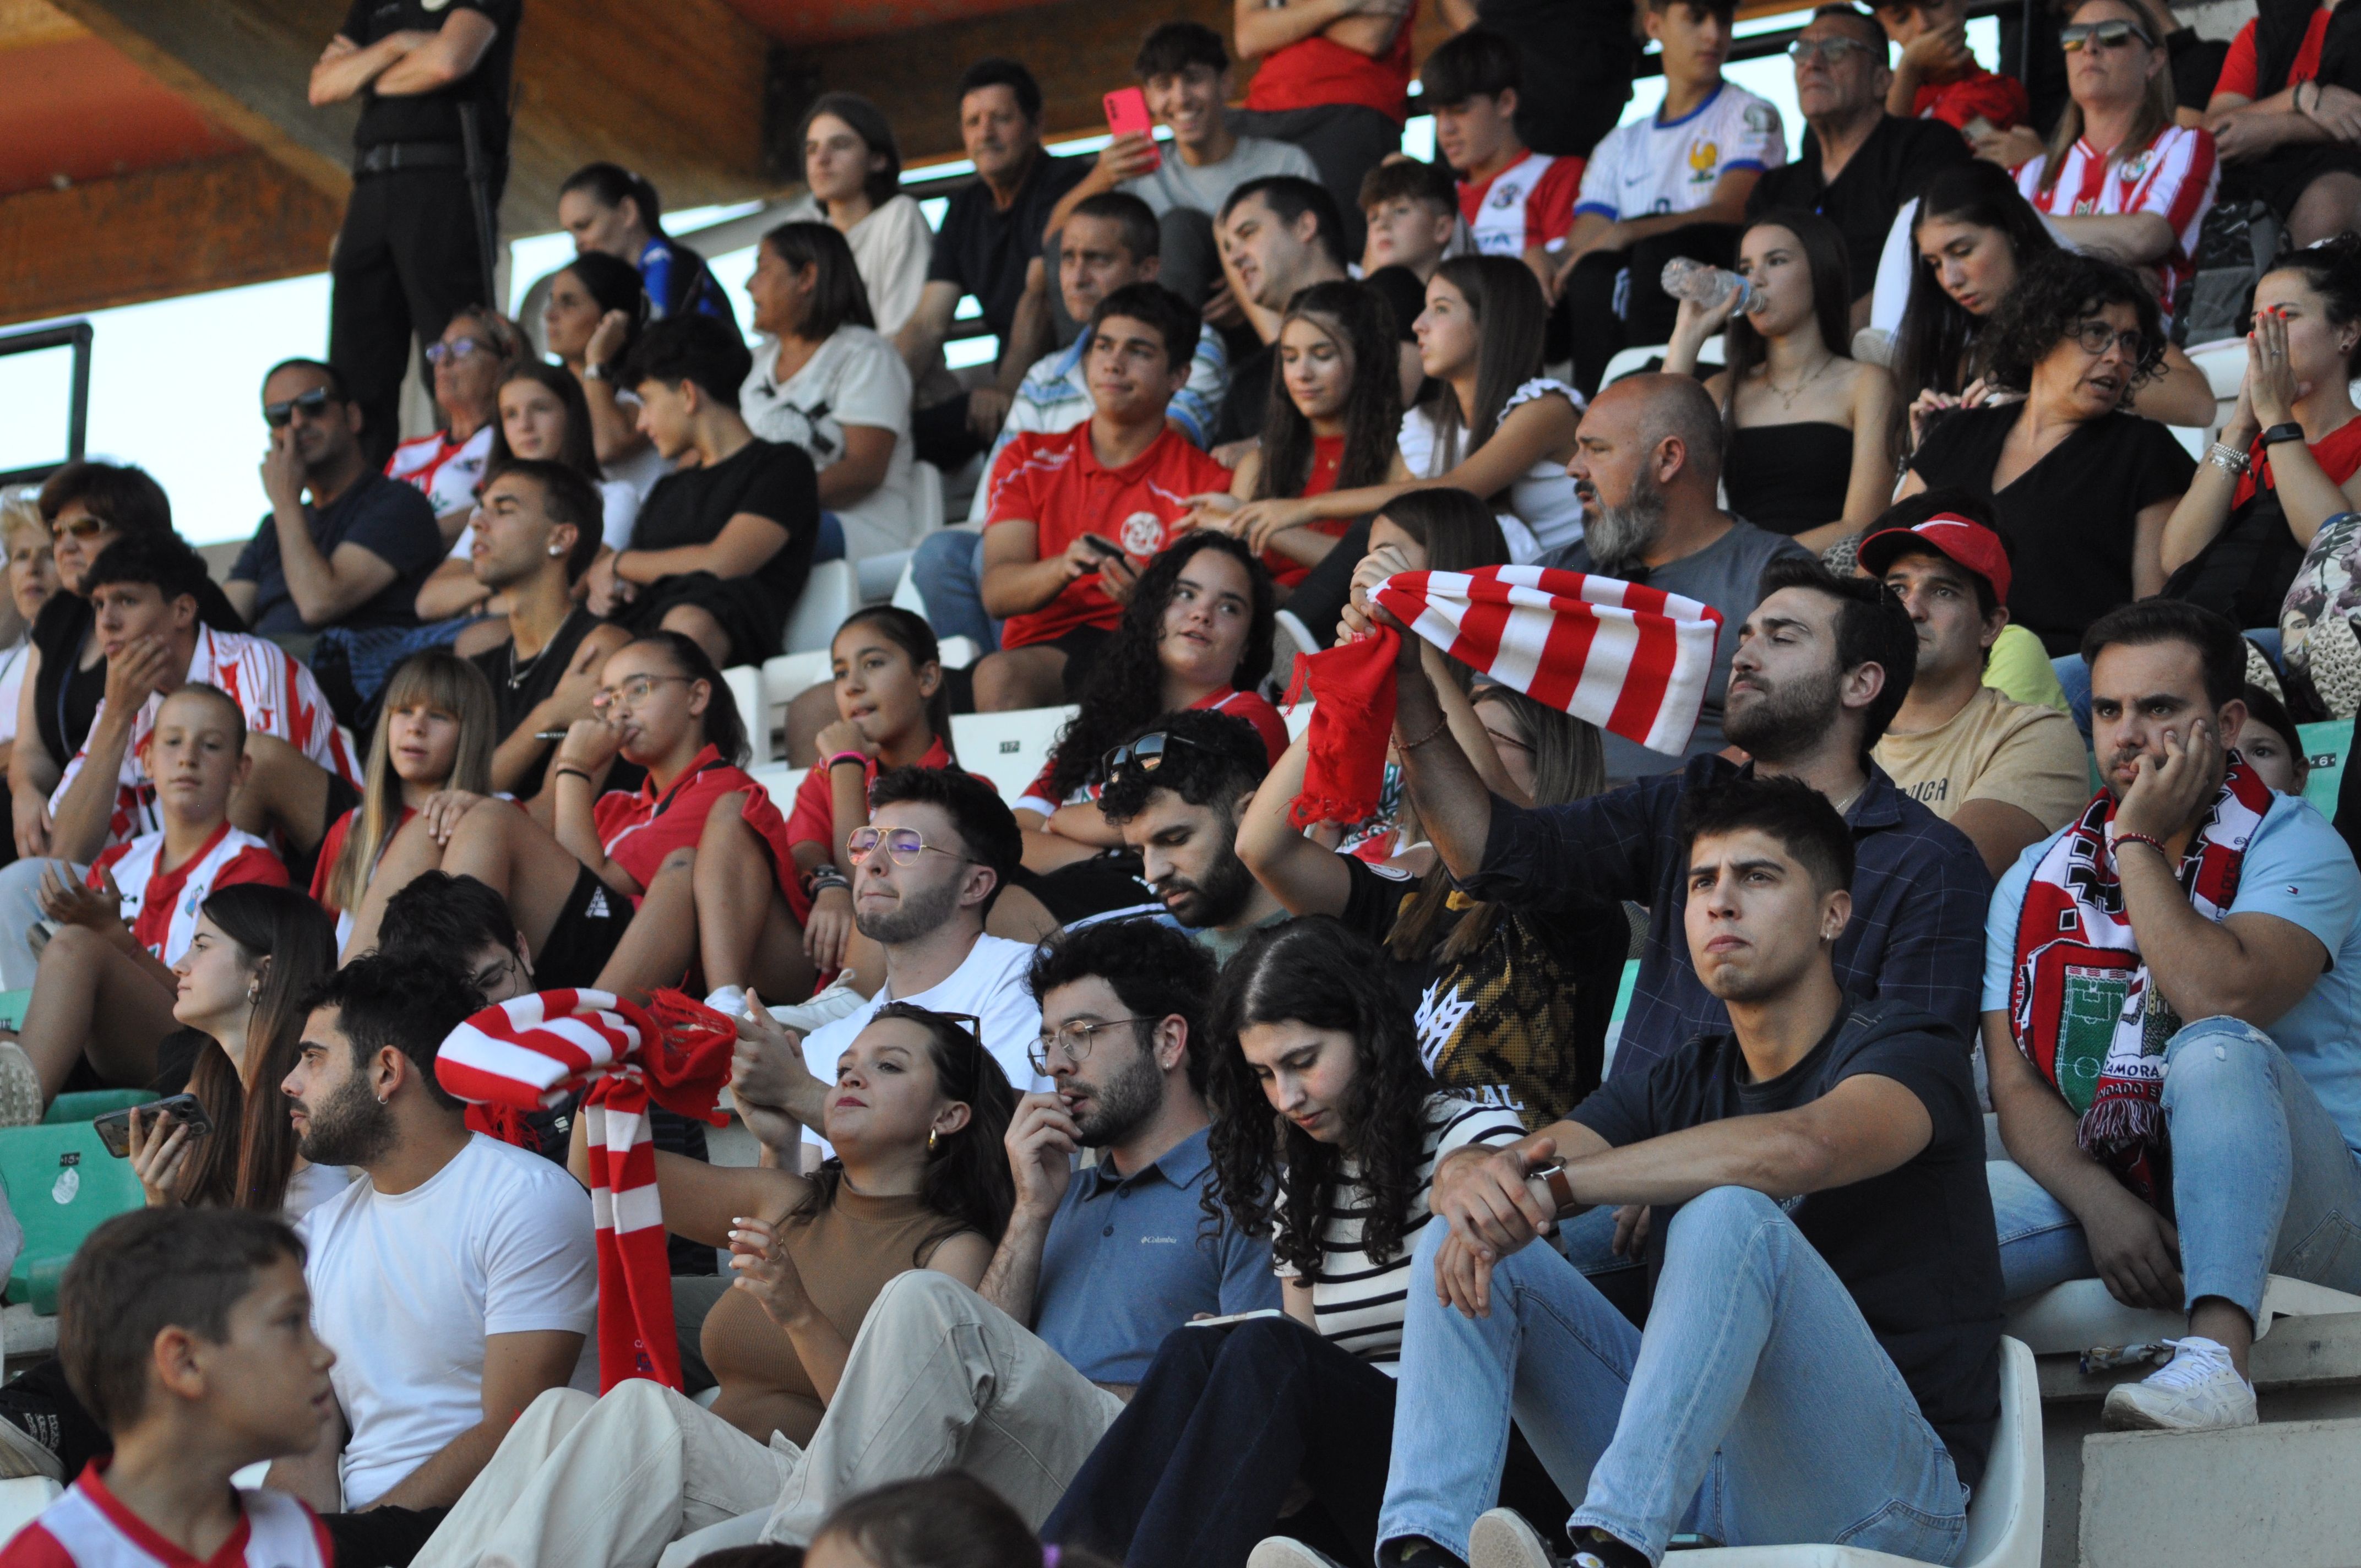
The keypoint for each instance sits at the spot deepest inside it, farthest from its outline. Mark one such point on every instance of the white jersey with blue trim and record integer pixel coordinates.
(1671, 166)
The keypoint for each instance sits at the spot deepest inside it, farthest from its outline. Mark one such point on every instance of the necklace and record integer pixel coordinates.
(1787, 397)
(520, 673)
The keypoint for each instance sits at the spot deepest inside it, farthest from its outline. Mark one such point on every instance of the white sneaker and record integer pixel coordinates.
(839, 1000)
(2197, 1390)
(20, 1086)
(23, 1454)
(1503, 1538)
(1280, 1552)
(729, 1001)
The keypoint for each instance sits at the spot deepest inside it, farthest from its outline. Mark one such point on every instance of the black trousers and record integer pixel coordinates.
(407, 261)
(1589, 328)
(1195, 1470)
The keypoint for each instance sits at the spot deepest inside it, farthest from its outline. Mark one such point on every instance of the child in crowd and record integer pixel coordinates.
(1935, 78)
(1412, 212)
(936, 1521)
(1517, 201)
(189, 1336)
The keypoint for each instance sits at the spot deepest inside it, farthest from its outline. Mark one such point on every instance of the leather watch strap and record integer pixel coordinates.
(1561, 1191)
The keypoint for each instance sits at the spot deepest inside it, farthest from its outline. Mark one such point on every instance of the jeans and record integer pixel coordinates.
(1757, 1405)
(2262, 1180)
(20, 906)
(948, 569)
(828, 545)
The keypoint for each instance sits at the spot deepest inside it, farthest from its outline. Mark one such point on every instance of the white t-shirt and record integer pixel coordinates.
(313, 1185)
(1544, 511)
(406, 1289)
(990, 984)
(855, 379)
(620, 505)
(891, 249)
(1658, 166)
(12, 683)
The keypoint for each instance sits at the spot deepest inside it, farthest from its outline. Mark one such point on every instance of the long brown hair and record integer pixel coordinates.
(1511, 315)
(438, 678)
(1358, 322)
(2156, 110)
(1824, 256)
(287, 941)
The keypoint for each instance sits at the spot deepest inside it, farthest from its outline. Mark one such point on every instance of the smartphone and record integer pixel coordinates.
(1126, 115)
(1234, 1318)
(1102, 544)
(114, 1127)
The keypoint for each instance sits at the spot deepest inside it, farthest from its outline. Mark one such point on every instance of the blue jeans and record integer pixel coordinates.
(1758, 1405)
(2262, 1180)
(828, 544)
(948, 571)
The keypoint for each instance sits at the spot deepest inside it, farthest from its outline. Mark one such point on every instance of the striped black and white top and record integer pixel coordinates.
(1356, 1303)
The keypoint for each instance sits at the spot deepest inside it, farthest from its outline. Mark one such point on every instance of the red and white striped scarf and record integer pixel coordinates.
(533, 1051)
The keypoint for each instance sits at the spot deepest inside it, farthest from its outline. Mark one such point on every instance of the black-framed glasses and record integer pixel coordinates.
(633, 691)
(1830, 51)
(314, 404)
(904, 845)
(456, 350)
(1072, 1041)
(2097, 337)
(1146, 754)
(2113, 33)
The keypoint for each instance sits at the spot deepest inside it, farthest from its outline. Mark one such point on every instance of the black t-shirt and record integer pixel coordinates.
(1891, 167)
(2068, 519)
(435, 116)
(392, 520)
(1915, 1247)
(516, 693)
(985, 249)
(768, 478)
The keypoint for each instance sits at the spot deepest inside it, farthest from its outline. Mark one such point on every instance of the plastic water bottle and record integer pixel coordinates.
(1686, 279)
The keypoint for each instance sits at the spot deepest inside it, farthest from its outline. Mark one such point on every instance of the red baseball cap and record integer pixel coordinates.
(1972, 544)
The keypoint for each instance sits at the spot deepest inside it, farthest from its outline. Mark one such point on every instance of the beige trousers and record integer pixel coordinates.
(580, 1482)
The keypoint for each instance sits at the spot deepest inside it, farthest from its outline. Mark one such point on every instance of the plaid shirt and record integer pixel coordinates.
(1920, 890)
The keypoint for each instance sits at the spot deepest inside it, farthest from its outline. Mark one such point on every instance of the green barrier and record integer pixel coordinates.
(12, 1008)
(61, 1185)
(2325, 744)
(1623, 992)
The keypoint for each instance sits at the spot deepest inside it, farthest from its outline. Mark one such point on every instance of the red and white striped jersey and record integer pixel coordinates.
(161, 905)
(277, 695)
(87, 1528)
(2173, 177)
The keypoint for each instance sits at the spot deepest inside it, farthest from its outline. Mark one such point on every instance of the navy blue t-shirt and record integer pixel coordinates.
(392, 520)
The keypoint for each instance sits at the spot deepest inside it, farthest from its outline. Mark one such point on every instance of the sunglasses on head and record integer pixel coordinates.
(1147, 753)
(314, 403)
(2111, 34)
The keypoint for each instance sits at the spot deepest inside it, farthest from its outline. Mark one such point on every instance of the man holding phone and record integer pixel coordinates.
(1124, 474)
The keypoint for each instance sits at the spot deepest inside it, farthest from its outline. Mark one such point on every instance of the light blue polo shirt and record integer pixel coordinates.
(1126, 1261)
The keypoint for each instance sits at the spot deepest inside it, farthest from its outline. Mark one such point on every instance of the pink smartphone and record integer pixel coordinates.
(1127, 113)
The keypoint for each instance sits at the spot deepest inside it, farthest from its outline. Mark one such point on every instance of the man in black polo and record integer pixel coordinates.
(431, 154)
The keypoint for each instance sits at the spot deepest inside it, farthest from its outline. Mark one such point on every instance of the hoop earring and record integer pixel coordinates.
(930, 1140)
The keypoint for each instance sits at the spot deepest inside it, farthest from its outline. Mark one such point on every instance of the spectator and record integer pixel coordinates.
(356, 555)
(1324, 1130)
(2289, 149)
(542, 419)
(825, 380)
(1783, 473)
(1193, 636)
(467, 362)
(2005, 773)
(431, 758)
(32, 580)
(2290, 457)
(218, 1300)
(1809, 703)
(2260, 1126)
(1859, 163)
(596, 303)
(1185, 73)
(1176, 791)
(940, 1518)
(2082, 493)
(492, 1245)
(1280, 236)
(2154, 180)
(919, 1182)
(1336, 428)
(1935, 78)
(1060, 595)
(430, 155)
(989, 246)
(722, 549)
(1517, 202)
(616, 212)
(1410, 210)
(103, 993)
(1586, 50)
(1869, 1247)
(853, 174)
(2270, 744)
(1647, 465)
(1334, 79)
(1675, 185)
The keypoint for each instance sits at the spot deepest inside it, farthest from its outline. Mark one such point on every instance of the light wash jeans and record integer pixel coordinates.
(2262, 1180)
(948, 571)
(20, 906)
(1757, 1406)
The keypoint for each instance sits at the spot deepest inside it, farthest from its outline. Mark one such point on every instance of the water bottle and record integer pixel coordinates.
(1686, 279)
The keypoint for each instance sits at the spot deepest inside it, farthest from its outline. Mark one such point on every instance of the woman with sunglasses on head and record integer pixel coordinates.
(2079, 487)
(918, 1179)
(596, 310)
(447, 465)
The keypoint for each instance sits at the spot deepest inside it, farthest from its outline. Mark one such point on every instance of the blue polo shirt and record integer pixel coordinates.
(1126, 1261)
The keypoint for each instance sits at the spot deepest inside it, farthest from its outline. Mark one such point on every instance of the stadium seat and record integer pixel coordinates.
(928, 481)
(61, 1184)
(1633, 361)
(881, 574)
(2069, 1318)
(2325, 744)
(745, 683)
(1009, 749)
(2005, 1518)
(830, 593)
(957, 652)
(1298, 718)
(12, 1008)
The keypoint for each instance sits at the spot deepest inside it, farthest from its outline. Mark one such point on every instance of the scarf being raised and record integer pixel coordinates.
(533, 1051)
(2082, 1005)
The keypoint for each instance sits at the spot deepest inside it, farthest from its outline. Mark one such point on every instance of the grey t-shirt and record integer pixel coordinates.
(1727, 574)
(1208, 185)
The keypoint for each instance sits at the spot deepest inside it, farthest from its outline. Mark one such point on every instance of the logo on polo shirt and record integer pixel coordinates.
(1143, 533)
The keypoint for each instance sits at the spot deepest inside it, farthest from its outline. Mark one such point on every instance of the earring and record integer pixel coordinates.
(254, 992)
(554, 551)
(930, 1140)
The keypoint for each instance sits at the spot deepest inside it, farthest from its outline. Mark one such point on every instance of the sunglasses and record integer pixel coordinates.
(1147, 753)
(1803, 51)
(904, 845)
(455, 351)
(2112, 34)
(314, 404)
(83, 527)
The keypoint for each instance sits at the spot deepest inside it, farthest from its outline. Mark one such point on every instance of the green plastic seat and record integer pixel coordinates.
(12, 1008)
(2325, 744)
(1623, 992)
(61, 1185)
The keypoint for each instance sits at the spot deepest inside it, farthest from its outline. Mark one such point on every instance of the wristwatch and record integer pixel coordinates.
(2279, 433)
(1561, 1191)
(595, 372)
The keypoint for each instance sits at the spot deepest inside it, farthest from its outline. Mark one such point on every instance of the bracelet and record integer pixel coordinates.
(1440, 726)
(2149, 839)
(821, 877)
(2290, 430)
(848, 757)
(2227, 458)
(572, 772)
(595, 372)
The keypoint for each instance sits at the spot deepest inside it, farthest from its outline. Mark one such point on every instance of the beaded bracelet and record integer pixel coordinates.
(2149, 839)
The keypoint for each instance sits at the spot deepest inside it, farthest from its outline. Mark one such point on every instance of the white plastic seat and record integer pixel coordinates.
(2069, 1318)
(927, 480)
(1009, 749)
(881, 576)
(957, 652)
(780, 782)
(2003, 1519)
(745, 683)
(21, 1500)
(830, 593)
(1632, 361)
(1298, 718)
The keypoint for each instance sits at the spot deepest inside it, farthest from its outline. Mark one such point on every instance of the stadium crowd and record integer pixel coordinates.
(1231, 1150)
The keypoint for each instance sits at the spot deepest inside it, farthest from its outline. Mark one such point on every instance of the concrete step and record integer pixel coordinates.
(2281, 1494)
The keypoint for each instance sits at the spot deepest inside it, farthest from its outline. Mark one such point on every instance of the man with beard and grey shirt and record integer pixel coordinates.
(1647, 463)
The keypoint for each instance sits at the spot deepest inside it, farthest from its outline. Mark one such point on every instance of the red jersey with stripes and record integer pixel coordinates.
(2173, 177)
(278, 696)
(160, 901)
(446, 472)
(86, 1526)
(638, 829)
(1057, 484)
(1237, 704)
(1526, 205)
